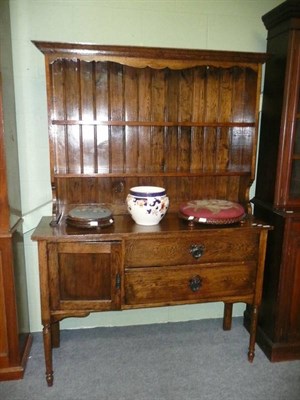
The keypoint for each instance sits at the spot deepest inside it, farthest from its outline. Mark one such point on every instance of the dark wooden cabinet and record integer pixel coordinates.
(277, 197)
(121, 117)
(15, 339)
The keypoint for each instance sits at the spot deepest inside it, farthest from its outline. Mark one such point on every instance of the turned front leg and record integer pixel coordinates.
(48, 353)
(253, 328)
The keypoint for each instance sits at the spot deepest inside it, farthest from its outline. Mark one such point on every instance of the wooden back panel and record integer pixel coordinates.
(185, 120)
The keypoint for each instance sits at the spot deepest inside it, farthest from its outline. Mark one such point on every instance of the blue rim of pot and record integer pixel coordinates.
(155, 191)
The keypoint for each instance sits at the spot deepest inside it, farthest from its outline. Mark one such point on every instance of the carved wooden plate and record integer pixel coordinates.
(90, 216)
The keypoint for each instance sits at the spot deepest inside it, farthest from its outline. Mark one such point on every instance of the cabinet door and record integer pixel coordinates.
(291, 280)
(288, 183)
(85, 275)
(294, 192)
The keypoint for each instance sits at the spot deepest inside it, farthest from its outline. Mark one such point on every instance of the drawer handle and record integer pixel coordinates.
(195, 283)
(197, 250)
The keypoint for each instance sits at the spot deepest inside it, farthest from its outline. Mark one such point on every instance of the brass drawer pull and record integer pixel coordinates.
(197, 250)
(195, 283)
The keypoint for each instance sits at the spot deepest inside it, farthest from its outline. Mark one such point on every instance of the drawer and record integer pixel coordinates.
(167, 285)
(221, 246)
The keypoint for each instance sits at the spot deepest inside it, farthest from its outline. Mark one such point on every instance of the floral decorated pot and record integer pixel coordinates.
(147, 204)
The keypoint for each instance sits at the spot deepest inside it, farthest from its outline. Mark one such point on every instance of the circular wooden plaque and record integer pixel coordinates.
(90, 216)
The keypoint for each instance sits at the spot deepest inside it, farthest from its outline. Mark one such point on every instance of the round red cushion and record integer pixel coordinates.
(212, 211)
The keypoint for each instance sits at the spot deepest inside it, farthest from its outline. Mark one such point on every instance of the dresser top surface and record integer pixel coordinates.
(124, 227)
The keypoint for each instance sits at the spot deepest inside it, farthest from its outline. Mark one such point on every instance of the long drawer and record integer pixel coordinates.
(203, 247)
(167, 285)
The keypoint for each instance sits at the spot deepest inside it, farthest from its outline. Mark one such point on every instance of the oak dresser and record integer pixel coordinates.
(119, 117)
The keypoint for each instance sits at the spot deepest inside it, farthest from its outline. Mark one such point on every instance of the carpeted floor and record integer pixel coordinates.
(174, 361)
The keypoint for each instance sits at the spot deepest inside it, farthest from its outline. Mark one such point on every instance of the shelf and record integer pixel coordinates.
(156, 123)
(150, 174)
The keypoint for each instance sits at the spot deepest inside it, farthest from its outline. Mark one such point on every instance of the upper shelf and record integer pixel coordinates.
(123, 116)
(154, 123)
(154, 57)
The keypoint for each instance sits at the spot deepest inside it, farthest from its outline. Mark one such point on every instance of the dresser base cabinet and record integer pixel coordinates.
(120, 269)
